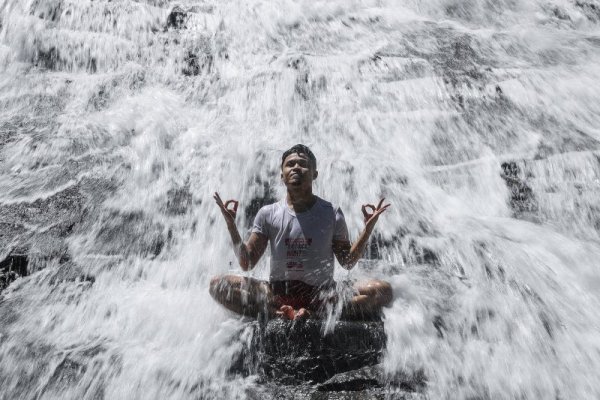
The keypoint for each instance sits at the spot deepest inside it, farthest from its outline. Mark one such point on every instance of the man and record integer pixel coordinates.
(304, 232)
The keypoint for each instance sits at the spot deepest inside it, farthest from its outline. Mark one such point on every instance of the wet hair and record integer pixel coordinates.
(300, 149)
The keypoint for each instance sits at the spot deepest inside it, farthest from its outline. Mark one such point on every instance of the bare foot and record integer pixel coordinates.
(286, 312)
(302, 313)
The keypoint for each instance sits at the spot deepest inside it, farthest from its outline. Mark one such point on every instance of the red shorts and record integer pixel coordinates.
(298, 294)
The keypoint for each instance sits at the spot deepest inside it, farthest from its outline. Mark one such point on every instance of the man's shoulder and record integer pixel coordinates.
(269, 209)
(327, 204)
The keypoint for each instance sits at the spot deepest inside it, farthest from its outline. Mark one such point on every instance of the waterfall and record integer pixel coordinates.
(477, 120)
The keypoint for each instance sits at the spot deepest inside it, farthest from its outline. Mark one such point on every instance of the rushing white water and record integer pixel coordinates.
(420, 102)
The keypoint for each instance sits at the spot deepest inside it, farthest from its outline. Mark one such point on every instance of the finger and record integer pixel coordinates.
(380, 203)
(384, 207)
(220, 204)
(380, 211)
(227, 203)
(218, 199)
(235, 205)
(364, 211)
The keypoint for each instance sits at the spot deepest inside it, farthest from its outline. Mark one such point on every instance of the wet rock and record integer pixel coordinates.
(310, 392)
(256, 203)
(563, 140)
(66, 373)
(560, 13)
(298, 351)
(191, 66)
(460, 63)
(421, 254)
(202, 8)
(126, 233)
(378, 245)
(591, 9)
(177, 18)
(179, 199)
(47, 58)
(16, 263)
(198, 59)
(50, 10)
(34, 233)
(70, 272)
(522, 198)
(12, 267)
(360, 379)
(6, 278)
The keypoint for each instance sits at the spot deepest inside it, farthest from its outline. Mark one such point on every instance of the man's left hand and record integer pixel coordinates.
(372, 217)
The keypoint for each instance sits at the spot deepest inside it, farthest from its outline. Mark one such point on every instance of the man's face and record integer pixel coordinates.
(297, 171)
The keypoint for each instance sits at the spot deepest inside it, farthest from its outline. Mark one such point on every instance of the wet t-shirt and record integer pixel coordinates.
(301, 243)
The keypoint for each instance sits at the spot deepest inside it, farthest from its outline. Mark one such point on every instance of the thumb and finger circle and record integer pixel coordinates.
(366, 207)
(225, 206)
(235, 205)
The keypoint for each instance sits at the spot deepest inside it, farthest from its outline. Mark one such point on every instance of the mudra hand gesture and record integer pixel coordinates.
(229, 213)
(372, 217)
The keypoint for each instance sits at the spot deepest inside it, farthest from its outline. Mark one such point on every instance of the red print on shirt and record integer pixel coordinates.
(295, 250)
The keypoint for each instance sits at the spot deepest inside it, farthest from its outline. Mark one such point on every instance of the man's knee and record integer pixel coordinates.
(385, 292)
(217, 285)
(380, 290)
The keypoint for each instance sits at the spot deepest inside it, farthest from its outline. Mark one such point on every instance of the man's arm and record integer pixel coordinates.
(250, 252)
(348, 254)
(247, 253)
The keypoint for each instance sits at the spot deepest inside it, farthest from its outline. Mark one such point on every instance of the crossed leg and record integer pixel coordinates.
(250, 297)
(369, 298)
(242, 295)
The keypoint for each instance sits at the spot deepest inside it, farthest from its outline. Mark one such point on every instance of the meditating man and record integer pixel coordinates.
(304, 232)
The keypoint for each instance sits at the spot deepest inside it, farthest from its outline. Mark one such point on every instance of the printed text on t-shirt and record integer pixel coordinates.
(295, 248)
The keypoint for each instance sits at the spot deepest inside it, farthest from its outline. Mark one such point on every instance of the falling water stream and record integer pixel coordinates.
(477, 120)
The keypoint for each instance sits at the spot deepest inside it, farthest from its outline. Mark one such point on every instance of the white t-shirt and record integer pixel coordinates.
(301, 242)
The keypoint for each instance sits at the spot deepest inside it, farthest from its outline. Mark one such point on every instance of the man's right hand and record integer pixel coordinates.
(228, 213)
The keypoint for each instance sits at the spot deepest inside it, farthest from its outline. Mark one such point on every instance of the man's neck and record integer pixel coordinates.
(301, 200)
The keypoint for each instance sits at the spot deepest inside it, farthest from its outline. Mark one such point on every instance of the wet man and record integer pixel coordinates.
(304, 233)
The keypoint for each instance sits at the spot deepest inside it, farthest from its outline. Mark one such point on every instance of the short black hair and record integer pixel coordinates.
(300, 149)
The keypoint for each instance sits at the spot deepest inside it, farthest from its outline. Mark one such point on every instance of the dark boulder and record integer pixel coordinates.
(177, 18)
(522, 198)
(179, 199)
(126, 233)
(49, 10)
(15, 262)
(591, 9)
(258, 201)
(199, 58)
(11, 268)
(298, 351)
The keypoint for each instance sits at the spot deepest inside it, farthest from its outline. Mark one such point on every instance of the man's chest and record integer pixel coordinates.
(303, 233)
